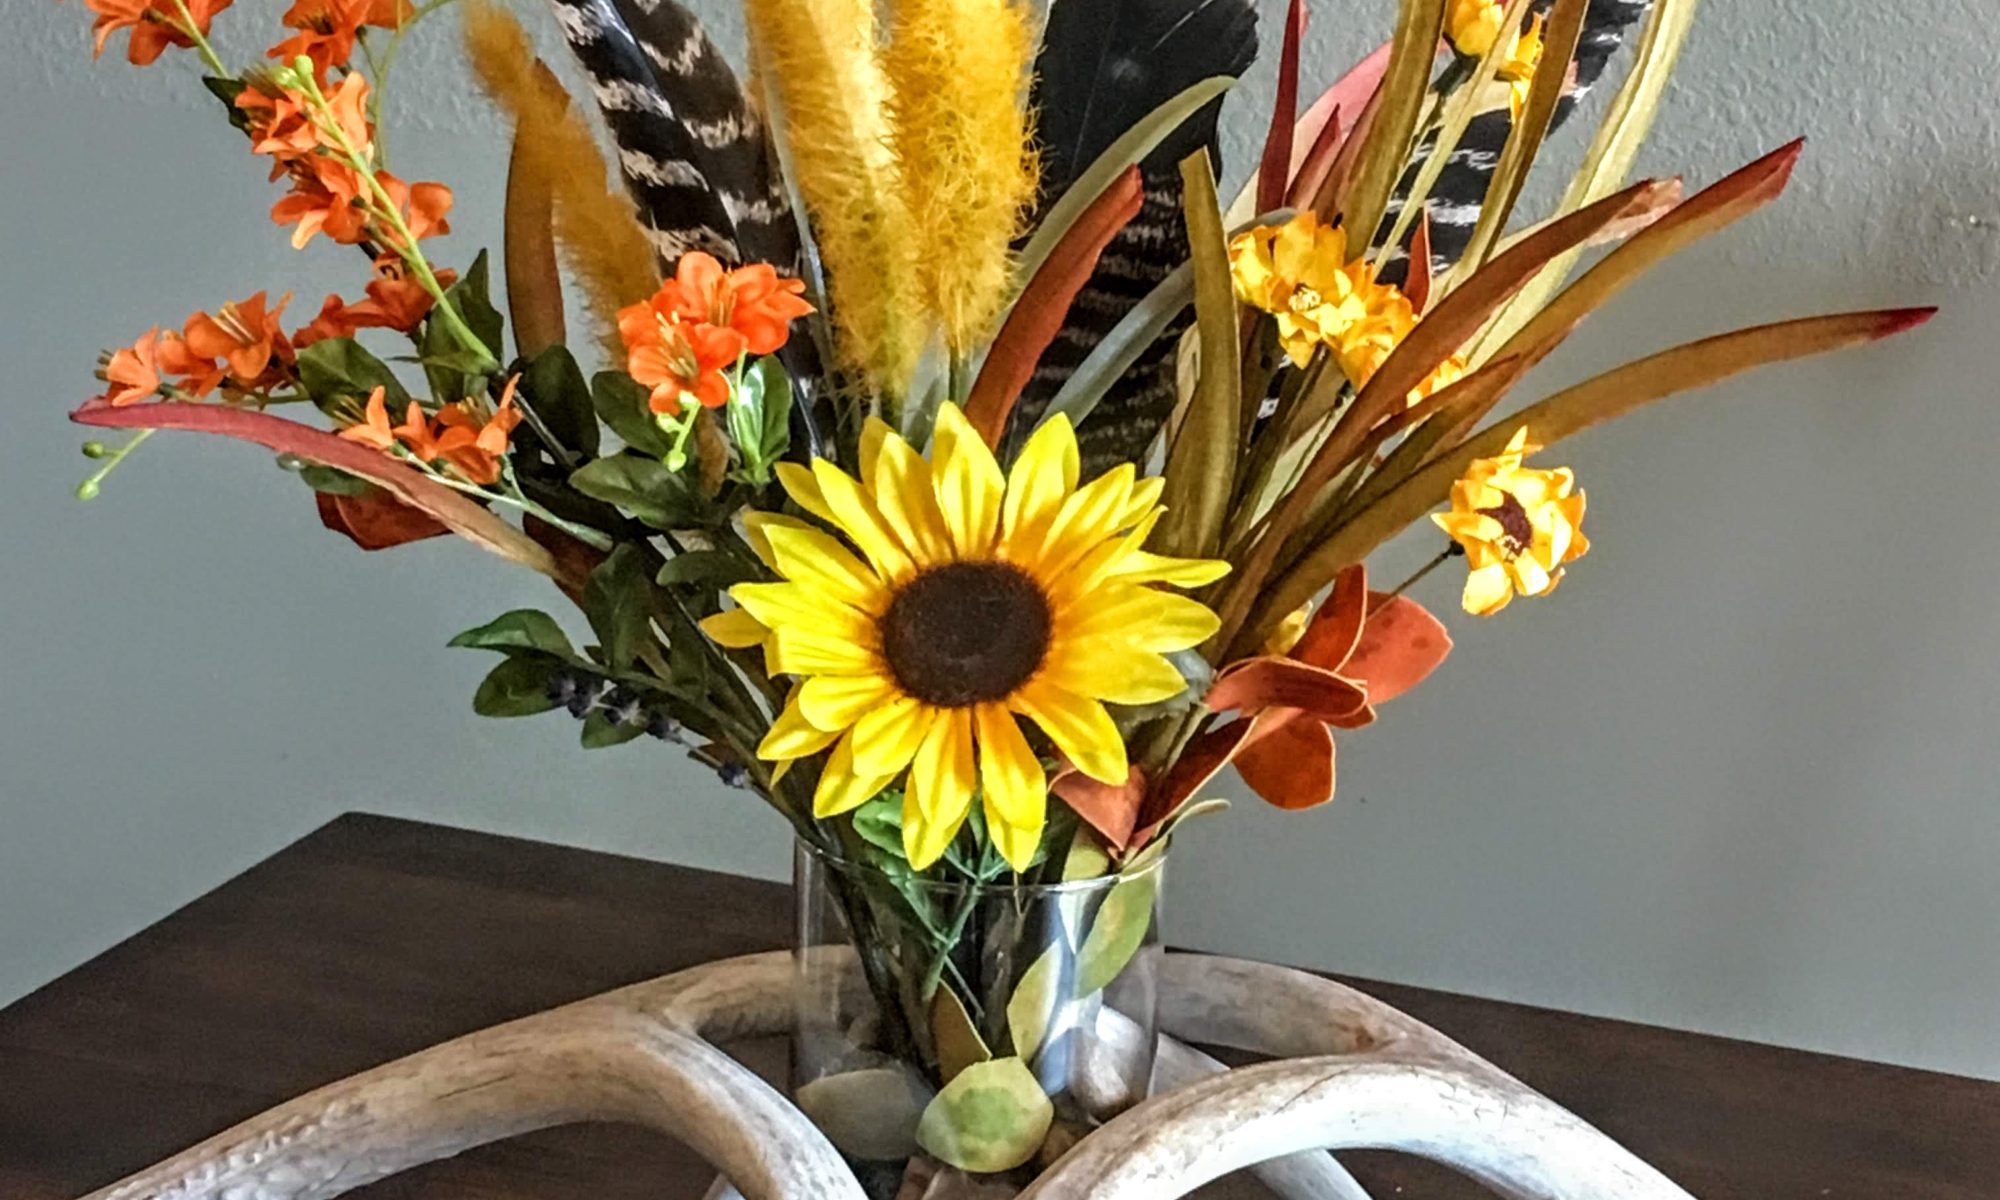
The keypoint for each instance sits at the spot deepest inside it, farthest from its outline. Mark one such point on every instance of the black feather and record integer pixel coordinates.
(1460, 191)
(1105, 65)
(693, 151)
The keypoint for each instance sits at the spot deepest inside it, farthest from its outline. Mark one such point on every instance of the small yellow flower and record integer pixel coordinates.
(961, 600)
(1474, 25)
(1518, 526)
(1299, 272)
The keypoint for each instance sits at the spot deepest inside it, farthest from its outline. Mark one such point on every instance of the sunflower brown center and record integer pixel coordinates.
(966, 633)
(1517, 531)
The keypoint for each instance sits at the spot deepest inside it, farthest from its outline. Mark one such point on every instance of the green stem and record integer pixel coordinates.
(89, 488)
(583, 533)
(385, 210)
(208, 56)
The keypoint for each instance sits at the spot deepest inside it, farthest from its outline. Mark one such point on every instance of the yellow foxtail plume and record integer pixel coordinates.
(596, 225)
(819, 58)
(958, 73)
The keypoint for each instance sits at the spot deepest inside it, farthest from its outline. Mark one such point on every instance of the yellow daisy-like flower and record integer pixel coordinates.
(1518, 526)
(961, 600)
(1474, 25)
(1299, 273)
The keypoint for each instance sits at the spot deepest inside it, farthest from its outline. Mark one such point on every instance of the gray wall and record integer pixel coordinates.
(1737, 776)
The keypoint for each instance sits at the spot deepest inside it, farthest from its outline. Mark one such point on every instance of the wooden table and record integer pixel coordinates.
(373, 938)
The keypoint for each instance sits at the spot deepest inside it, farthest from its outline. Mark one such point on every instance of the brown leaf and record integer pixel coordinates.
(376, 520)
(1038, 315)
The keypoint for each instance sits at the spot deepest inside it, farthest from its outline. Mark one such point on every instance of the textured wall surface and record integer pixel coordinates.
(1737, 776)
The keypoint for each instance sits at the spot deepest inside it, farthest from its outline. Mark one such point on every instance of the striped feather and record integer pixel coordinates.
(1105, 65)
(693, 151)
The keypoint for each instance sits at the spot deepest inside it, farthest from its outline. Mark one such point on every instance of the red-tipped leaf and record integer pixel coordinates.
(1274, 174)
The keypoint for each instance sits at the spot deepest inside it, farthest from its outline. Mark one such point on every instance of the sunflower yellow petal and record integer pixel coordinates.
(1144, 500)
(840, 788)
(1087, 517)
(925, 839)
(735, 629)
(1016, 843)
(942, 774)
(1012, 779)
(1148, 619)
(781, 605)
(1078, 726)
(803, 487)
(856, 515)
(1143, 566)
(908, 502)
(886, 739)
(969, 483)
(792, 736)
(797, 651)
(756, 531)
(836, 702)
(1115, 672)
(875, 432)
(818, 561)
(1043, 477)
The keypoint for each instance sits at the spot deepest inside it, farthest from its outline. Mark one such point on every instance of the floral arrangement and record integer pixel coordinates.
(964, 477)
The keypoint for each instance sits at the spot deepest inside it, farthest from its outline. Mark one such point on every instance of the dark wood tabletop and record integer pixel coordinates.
(373, 938)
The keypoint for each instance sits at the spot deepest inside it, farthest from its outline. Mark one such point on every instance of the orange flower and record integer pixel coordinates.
(677, 358)
(244, 337)
(395, 301)
(322, 200)
(335, 320)
(752, 300)
(155, 25)
(475, 449)
(134, 372)
(1362, 649)
(281, 125)
(373, 428)
(327, 28)
(423, 206)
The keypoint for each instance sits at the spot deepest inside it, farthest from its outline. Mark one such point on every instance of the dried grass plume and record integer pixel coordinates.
(596, 225)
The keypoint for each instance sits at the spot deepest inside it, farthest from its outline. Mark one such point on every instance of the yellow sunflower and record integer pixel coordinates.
(1518, 526)
(960, 600)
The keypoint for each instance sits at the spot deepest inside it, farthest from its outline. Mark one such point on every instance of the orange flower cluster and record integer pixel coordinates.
(327, 29)
(329, 193)
(242, 348)
(470, 447)
(680, 341)
(155, 25)
(239, 347)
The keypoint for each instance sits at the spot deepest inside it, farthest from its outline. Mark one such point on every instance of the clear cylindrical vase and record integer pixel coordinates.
(968, 1027)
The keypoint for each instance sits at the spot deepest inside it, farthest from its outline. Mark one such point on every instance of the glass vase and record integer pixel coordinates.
(969, 1029)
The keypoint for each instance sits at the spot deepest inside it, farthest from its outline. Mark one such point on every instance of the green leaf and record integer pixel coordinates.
(618, 599)
(1087, 858)
(337, 369)
(227, 90)
(1201, 467)
(599, 732)
(1034, 1002)
(522, 629)
(645, 488)
(555, 387)
(1118, 931)
(454, 369)
(711, 570)
(518, 687)
(623, 406)
(879, 823)
(334, 482)
(760, 419)
(991, 1118)
(1120, 156)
